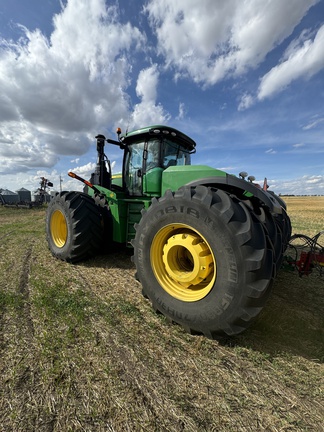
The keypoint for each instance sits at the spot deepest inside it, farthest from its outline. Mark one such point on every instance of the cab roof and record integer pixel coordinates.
(158, 131)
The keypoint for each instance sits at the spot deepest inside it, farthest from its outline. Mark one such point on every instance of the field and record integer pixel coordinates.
(82, 350)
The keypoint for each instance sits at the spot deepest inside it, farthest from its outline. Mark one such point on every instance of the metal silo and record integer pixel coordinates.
(9, 196)
(24, 195)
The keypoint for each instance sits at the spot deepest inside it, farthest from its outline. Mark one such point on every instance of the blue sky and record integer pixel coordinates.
(244, 79)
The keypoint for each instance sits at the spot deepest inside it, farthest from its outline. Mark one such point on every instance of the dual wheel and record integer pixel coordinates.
(76, 226)
(205, 260)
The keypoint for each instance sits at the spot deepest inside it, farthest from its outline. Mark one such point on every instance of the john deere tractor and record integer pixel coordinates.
(206, 244)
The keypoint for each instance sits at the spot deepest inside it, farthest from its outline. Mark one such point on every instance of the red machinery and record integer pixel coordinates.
(309, 254)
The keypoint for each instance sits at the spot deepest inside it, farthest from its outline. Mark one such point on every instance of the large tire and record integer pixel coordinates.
(74, 226)
(271, 229)
(279, 199)
(283, 221)
(203, 260)
(284, 225)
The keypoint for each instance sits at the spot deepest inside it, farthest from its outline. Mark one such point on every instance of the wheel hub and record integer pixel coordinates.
(187, 259)
(58, 229)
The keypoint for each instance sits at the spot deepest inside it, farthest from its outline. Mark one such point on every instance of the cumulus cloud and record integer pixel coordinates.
(305, 185)
(22, 148)
(303, 59)
(148, 111)
(146, 84)
(62, 87)
(209, 41)
(85, 170)
(315, 179)
(55, 90)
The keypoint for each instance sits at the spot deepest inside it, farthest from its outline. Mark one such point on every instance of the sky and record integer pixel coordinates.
(244, 79)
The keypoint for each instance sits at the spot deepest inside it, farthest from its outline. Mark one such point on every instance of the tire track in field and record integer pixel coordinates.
(6, 235)
(2, 324)
(24, 320)
(132, 370)
(25, 327)
(26, 324)
(20, 373)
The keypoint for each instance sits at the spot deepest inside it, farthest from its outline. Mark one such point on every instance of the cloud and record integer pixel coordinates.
(314, 123)
(210, 41)
(84, 170)
(305, 185)
(298, 145)
(246, 101)
(148, 111)
(271, 151)
(55, 90)
(315, 180)
(182, 111)
(303, 59)
(146, 84)
(22, 149)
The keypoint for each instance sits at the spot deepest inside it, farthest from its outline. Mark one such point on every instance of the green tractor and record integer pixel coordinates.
(206, 244)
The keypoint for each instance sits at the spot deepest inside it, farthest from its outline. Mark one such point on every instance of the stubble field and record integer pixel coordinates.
(82, 350)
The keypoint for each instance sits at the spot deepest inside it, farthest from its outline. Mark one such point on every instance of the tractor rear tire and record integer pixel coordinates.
(74, 227)
(203, 260)
(271, 229)
(284, 224)
(283, 221)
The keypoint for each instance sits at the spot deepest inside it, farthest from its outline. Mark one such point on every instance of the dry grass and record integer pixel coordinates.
(306, 214)
(82, 350)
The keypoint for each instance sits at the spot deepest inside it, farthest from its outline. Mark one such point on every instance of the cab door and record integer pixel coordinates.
(134, 168)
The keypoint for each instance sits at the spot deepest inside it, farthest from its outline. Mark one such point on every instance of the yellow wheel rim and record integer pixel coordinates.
(58, 228)
(183, 262)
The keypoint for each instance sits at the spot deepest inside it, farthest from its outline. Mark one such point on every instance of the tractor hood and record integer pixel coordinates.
(193, 175)
(176, 176)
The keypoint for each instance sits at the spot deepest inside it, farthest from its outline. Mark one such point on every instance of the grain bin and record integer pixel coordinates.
(9, 197)
(24, 195)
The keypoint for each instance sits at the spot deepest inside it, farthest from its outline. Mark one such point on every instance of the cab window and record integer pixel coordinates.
(153, 154)
(134, 168)
(173, 154)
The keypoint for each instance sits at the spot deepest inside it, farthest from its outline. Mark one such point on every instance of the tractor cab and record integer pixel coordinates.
(150, 151)
(147, 153)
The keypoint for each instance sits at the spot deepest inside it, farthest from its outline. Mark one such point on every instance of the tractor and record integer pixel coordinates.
(206, 244)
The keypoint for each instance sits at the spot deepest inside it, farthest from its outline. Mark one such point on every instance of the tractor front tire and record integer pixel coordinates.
(203, 260)
(74, 227)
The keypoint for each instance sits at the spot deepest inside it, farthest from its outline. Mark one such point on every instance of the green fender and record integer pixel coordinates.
(240, 187)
